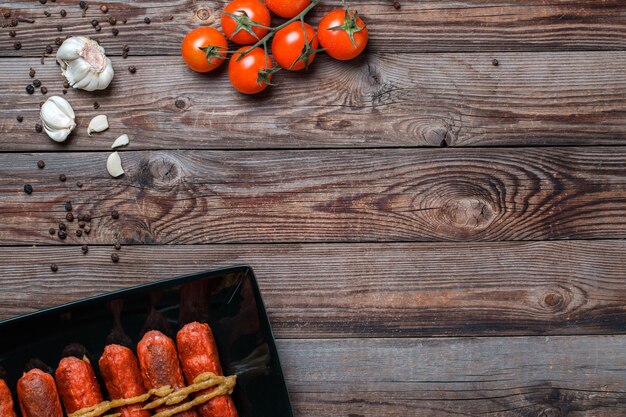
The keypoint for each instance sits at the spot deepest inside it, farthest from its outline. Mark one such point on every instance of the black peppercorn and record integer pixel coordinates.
(7, 14)
(94, 22)
(96, 105)
(81, 223)
(396, 5)
(62, 226)
(12, 33)
(62, 234)
(115, 257)
(52, 231)
(115, 32)
(125, 54)
(14, 22)
(132, 69)
(47, 13)
(60, 28)
(54, 268)
(69, 217)
(62, 178)
(17, 45)
(124, 20)
(32, 72)
(30, 89)
(117, 246)
(87, 229)
(58, 41)
(68, 206)
(104, 8)
(82, 4)
(112, 21)
(48, 49)
(44, 90)
(85, 249)
(63, 13)
(20, 118)
(495, 63)
(79, 184)
(146, 20)
(66, 84)
(98, 28)
(28, 189)
(43, 1)
(36, 83)
(115, 214)
(41, 164)
(79, 232)
(38, 127)
(64, 91)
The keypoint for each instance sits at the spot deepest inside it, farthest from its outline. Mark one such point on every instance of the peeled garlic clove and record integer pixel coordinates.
(114, 165)
(57, 117)
(98, 124)
(121, 141)
(84, 64)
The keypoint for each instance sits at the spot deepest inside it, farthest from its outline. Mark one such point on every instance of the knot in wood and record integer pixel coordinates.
(204, 14)
(468, 213)
(553, 300)
(165, 170)
(549, 412)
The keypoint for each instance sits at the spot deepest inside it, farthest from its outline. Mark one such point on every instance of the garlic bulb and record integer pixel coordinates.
(98, 124)
(114, 165)
(84, 64)
(57, 117)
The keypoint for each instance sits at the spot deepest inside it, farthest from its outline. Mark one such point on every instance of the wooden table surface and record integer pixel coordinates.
(434, 235)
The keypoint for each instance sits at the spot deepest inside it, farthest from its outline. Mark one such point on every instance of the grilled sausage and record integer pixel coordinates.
(6, 401)
(38, 396)
(159, 365)
(77, 384)
(122, 378)
(198, 354)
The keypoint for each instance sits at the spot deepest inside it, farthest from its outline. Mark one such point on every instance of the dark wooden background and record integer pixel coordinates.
(434, 235)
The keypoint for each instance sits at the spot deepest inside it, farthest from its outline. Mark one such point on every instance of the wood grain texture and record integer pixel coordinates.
(361, 290)
(188, 197)
(378, 101)
(512, 377)
(419, 26)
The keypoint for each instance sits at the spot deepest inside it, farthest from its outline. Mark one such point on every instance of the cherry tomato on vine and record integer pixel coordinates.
(242, 29)
(294, 48)
(204, 49)
(252, 73)
(342, 34)
(287, 8)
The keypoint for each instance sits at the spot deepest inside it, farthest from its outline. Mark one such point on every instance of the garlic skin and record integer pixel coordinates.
(114, 165)
(98, 124)
(84, 64)
(58, 119)
(121, 141)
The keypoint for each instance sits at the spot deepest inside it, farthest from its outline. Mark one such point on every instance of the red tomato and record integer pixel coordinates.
(287, 8)
(251, 11)
(335, 31)
(246, 74)
(294, 48)
(204, 49)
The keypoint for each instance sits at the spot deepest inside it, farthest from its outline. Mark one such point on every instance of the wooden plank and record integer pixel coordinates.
(380, 101)
(361, 290)
(188, 197)
(513, 377)
(418, 26)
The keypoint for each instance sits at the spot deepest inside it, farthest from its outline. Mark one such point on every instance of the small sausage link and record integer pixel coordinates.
(159, 365)
(198, 354)
(38, 396)
(122, 378)
(6, 401)
(77, 384)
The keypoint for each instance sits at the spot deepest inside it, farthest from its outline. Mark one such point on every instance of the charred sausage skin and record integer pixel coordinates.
(77, 384)
(6, 401)
(159, 365)
(122, 378)
(198, 353)
(38, 396)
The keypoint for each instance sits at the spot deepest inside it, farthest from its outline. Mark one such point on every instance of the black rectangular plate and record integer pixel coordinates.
(228, 299)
